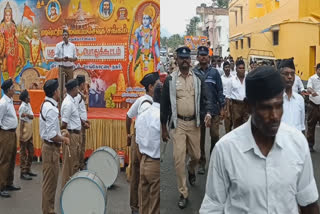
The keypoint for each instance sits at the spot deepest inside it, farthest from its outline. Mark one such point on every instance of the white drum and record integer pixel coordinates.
(105, 162)
(84, 193)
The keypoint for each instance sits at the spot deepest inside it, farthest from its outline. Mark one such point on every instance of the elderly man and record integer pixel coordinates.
(264, 166)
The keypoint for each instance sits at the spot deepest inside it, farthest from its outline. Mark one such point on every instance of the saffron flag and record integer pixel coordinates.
(28, 13)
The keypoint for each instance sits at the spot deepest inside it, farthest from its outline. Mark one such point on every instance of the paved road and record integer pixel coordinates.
(28, 200)
(169, 192)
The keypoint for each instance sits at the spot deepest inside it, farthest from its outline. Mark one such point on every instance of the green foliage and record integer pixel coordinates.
(221, 3)
(192, 26)
(173, 41)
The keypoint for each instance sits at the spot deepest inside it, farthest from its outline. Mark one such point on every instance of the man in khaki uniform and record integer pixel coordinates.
(51, 137)
(26, 132)
(8, 146)
(71, 121)
(180, 101)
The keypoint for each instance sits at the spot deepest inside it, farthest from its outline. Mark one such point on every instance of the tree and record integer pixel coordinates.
(192, 26)
(221, 3)
(173, 41)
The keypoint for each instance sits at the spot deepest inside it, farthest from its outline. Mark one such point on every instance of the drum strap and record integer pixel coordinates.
(48, 101)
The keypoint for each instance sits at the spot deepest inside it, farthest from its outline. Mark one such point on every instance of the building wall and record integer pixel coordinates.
(296, 31)
(222, 40)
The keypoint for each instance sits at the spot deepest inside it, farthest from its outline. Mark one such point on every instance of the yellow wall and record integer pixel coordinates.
(295, 36)
(307, 7)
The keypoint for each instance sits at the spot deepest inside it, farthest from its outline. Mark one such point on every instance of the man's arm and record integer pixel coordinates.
(128, 128)
(165, 108)
(65, 116)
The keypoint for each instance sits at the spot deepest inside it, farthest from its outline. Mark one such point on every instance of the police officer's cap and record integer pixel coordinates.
(50, 86)
(7, 84)
(150, 78)
(71, 84)
(23, 95)
(81, 79)
(203, 50)
(183, 52)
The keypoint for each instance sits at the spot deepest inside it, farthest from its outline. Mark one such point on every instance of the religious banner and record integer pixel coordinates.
(193, 42)
(117, 43)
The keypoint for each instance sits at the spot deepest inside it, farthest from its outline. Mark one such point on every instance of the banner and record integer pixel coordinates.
(117, 43)
(193, 42)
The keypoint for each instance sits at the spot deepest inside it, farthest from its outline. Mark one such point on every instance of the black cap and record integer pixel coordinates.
(203, 50)
(81, 79)
(7, 84)
(50, 86)
(71, 84)
(183, 52)
(263, 83)
(150, 78)
(287, 63)
(23, 95)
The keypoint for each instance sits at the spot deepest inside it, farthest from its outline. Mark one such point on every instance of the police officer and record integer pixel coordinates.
(8, 146)
(52, 138)
(214, 93)
(180, 106)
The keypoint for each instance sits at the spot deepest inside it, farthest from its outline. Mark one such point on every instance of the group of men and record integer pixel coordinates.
(145, 147)
(193, 99)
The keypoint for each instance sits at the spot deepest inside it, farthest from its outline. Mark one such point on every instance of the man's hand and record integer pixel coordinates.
(207, 120)
(165, 135)
(66, 141)
(65, 58)
(23, 115)
(129, 138)
(86, 125)
(222, 114)
(314, 94)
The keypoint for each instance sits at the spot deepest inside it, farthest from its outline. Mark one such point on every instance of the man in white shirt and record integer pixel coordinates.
(52, 138)
(233, 72)
(226, 80)
(264, 166)
(236, 93)
(313, 88)
(138, 106)
(149, 147)
(80, 100)
(8, 146)
(71, 121)
(298, 86)
(293, 103)
(26, 132)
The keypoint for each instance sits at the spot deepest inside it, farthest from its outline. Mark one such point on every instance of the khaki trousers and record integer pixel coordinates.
(50, 170)
(26, 155)
(8, 151)
(135, 175)
(214, 133)
(82, 149)
(65, 74)
(70, 158)
(149, 186)
(313, 118)
(185, 140)
(240, 113)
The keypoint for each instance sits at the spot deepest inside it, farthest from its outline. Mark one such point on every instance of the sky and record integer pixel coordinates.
(176, 14)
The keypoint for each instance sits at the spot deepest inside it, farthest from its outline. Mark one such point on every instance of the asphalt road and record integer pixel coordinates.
(168, 186)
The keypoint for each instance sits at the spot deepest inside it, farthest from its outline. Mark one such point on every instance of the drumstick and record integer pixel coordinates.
(69, 151)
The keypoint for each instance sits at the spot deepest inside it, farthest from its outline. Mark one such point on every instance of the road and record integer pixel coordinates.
(168, 186)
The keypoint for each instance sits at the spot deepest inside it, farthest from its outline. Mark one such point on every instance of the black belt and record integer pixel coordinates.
(67, 67)
(157, 159)
(186, 118)
(9, 130)
(238, 101)
(74, 131)
(52, 143)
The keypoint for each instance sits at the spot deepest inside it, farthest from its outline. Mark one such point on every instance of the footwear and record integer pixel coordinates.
(4, 194)
(201, 170)
(12, 188)
(311, 149)
(135, 212)
(183, 202)
(192, 178)
(32, 174)
(25, 176)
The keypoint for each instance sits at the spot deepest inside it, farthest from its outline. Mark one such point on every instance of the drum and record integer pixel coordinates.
(105, 162)
(84, 193)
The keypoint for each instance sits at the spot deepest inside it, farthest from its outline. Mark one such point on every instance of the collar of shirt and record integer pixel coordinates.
(7, 99)
(70, 98)
(148, 97)
(250, 143)
(52, 100)
(293, 96)
(189, 74)
(224, 75)
(198, 67)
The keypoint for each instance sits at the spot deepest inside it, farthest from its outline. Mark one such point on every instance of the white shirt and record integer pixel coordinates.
(225, 82)
(314, 83)
(70, 113)
(62, 50)
(297, 85)
(233, 72)
(50, 127)
(235, 89)
(148, 128)
(8, 116)
(25, 108)
(81, 107)
(134, 109)
(242, 180)
(293, 111)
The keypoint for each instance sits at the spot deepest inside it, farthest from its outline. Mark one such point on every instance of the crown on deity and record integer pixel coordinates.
(8, 8)
(149, 10)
